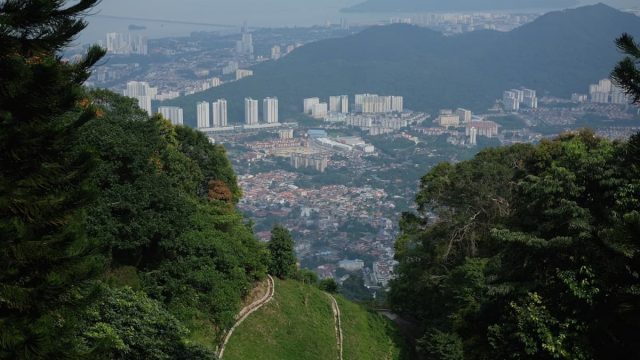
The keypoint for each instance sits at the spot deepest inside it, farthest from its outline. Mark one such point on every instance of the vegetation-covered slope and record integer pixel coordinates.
(535, 253)
(298, 324)
(119, 235)
(368, 335)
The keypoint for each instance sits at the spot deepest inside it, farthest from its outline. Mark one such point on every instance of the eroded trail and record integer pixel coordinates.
(338, 322)
(247, 311)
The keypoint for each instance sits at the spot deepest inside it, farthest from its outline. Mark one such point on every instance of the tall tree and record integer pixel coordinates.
(627, 74)
(46, 262)
(283, 258)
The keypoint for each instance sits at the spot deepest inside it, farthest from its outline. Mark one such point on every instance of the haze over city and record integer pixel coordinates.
(319, 179)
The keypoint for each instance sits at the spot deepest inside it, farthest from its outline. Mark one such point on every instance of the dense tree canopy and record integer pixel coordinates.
(193, 254)
(282, 255)
(47, 263)
(112, 244)
(527, 252)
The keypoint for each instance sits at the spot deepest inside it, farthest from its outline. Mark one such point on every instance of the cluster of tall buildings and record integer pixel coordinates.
(126, 44)
(244, 46)
(243, 73)
(315, 108)
(364, 103)
(270, 112)
(277, 51)
(514, 99)
(449, 118)
(339, 104)
(212, 115)
(605, 92)
(172, 113)
(319, 162)
(142, 92)
(375, 104)
(481, 128)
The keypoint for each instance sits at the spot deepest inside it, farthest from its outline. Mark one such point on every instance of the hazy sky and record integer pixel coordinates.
(258, 13)
(219, 10)
(260, 10)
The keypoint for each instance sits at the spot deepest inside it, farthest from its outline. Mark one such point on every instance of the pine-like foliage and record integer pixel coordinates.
(46, 262)
(627, 74)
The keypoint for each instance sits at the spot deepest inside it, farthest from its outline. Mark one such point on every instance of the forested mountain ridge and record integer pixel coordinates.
(558, 54)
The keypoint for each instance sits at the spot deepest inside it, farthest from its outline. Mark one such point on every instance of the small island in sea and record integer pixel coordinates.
(134, 27)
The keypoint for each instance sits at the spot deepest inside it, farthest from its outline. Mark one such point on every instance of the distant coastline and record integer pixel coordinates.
(405, 6)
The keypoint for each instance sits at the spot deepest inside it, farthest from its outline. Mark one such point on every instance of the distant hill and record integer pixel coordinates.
(559, 53)
(455, 5)
(298, 324)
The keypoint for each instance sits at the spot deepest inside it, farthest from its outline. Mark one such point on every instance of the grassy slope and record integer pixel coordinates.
(369, 336)
(290, 328)
(296, 324)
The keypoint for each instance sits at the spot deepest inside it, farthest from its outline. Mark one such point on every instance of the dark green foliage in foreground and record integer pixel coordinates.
(535, 253)
(126, 324)
(212, 160)
(192, 254)
(627, 73)
(282, 255)
(144, 194)
(46, 261)
(93, 190)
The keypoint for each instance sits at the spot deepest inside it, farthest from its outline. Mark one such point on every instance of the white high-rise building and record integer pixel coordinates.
(245, 45)
(219, 110)
(230, 68)
(140, 88)
(447, 119)
(397, 104)
(464, 115)
(473, 136)
(173, 114)
(530, 99)
(344, 104)
(335, 103)
(275, 52)
(270, 110)
(373, 104)
(144, 103)
(242, 73)
(250, 111)
(618, 96)
(320, 111)
(606, 92)
(519, 94)
(339, 104)
(126, 44)
(309, 104)
(203, 115)
(214, 82)
(510, 101)
(142, 92)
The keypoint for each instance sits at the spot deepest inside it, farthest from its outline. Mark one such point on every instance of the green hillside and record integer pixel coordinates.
(298, 324)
